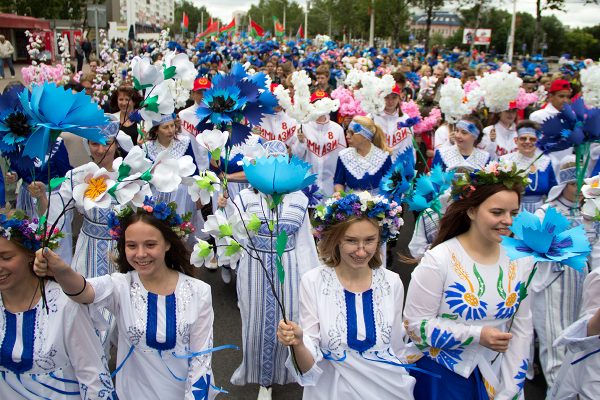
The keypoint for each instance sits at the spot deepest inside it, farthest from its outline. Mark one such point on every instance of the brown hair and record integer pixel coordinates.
(456, 221)
(331, 237)
(177, 257)
(379, 139)
(130, 92)
(323, 70)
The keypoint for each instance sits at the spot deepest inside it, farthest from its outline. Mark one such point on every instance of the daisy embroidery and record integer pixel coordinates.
(444, 349)
(520, 376)
(463, 301)
(508, 306)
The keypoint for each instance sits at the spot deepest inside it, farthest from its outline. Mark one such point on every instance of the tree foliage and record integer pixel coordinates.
(194, 14)
(48, 9)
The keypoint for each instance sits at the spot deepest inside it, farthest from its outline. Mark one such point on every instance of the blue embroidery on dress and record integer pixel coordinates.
(351, 321)
(171, 317)
(10, 338)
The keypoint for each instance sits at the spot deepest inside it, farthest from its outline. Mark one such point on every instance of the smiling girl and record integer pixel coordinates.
(350, 342)
(465, 291)
(463, 153)
(51, 353)
(164, 316)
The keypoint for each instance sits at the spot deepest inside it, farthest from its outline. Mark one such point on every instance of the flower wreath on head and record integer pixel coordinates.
(180, 224)
(362, 204)
(493, 173)
(27, 231)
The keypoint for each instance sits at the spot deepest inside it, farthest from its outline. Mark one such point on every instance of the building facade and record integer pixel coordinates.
(444, 23)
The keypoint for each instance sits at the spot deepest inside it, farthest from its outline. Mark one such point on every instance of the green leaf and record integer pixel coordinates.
(500, 285)
(280, 270)
(277, 199)
(42, 220)
(150, 103)
(232, 249)
(423, 331)
(254, 223)
(146, 176)
(225, 230)
(205, 249)
(215, 154)
(54, 134)
(124, 171)
(56, 182)
(168, 73)
(480, 281)
(141, 133)
(450, 316)
(271, 225)
(467, 342)
(113, 189)
(138, 86)
(282, 240)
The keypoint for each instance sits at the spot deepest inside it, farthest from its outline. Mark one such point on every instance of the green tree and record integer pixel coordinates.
(195, 15)
(49, 9)
(430, 6)
(580, 43)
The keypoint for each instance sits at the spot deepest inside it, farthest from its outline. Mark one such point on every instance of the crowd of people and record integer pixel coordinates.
(107, 302)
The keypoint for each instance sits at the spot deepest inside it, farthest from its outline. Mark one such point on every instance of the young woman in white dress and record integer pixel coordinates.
(350, 342)
(164, 316)
(45, 353)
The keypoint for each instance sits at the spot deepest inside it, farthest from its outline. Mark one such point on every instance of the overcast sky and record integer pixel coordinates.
(577, 14)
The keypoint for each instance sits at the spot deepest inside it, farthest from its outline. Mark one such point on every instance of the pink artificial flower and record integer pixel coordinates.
(148, 208)
(411, 109)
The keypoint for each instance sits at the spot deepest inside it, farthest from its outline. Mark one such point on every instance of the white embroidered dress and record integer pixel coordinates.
(157, 336)
(453, 160)
(356, 172)
(398, 139)
(451, 298)
(54, 355)
(356, 339)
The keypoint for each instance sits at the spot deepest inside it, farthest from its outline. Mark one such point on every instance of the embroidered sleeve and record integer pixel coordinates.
(86, 354)
(200, 380)
(309, 322)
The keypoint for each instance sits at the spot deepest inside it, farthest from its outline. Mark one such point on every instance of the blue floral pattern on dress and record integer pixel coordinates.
(444, 349)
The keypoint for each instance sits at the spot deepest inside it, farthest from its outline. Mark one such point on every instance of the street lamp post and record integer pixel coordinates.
(372, 27)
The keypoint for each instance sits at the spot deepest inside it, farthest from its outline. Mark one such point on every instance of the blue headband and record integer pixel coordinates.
(469, 127)
(361, 130)
(528, 131)
(164, 119)
(567, 175)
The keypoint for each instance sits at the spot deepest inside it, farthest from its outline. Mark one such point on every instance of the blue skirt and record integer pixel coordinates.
(450, 386)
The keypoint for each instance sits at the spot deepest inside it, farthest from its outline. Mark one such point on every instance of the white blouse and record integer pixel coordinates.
(451, 298)
(158, 336)
(356, 339)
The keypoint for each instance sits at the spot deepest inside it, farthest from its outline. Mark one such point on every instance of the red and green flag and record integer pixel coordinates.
(185, 22)
(300, 33)
(230, 27)
(256, 30)
(279, 29)
(211, 29)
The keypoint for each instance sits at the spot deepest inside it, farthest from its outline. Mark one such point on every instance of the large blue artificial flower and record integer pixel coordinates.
(428, 189)
(278, 175)
(15, 126)
(53, 109)
(574, 125)
(550, 240)
(398, 179)
(236, 98)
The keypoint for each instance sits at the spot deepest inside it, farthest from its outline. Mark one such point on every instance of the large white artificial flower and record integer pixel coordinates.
(229, 251)
(92, 192)
(353, 78)
(145, 74)
(220, 226)
(202, 253)
(159, 101)
(373, 91)
(203, 186)
(180, 68)
(500, 88)
(452, 100)
(301, 109)
(590, 85)
(213, 140)
(167, 172)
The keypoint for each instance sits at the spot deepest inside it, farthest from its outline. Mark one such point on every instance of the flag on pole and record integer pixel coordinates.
(229, 27)
(278, 28)
(256, 30)
(212, 28)
(185, 22)
(300, 33)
